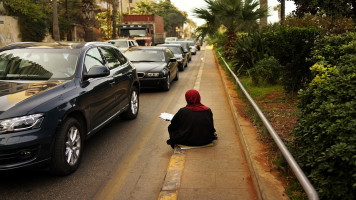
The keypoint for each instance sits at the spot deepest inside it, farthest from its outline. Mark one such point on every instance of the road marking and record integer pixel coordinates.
(113, 186)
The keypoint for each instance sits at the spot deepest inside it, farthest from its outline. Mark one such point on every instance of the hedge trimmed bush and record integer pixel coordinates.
(292, 46)
(266, 70)
(325, 137)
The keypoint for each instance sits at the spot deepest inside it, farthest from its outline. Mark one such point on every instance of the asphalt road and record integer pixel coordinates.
(125, 160)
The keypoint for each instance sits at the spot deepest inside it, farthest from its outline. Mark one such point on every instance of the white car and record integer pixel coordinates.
(124, 44)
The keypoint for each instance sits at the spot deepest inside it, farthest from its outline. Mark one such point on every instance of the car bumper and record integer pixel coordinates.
(151, 82)
(24, 149)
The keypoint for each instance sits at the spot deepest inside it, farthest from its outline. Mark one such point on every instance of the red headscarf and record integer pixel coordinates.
(193, 101)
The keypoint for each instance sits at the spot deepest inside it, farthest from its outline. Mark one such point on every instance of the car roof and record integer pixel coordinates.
(53, 45)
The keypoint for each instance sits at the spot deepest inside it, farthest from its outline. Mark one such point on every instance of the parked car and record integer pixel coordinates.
(179, 53)
(171, 39)
(185, 45)
(54, 96)
(192, 47)
(156, 66)
(124, 44)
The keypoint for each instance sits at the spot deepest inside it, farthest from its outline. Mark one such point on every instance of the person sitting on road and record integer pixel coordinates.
(192, 125)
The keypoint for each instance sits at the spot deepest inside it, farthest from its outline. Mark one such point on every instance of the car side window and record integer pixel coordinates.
(169, 54)
(111, 57)
(92, 58)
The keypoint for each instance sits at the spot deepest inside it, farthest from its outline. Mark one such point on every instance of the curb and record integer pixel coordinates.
(251, 164)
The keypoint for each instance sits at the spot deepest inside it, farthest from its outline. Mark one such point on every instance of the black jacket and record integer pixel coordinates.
(192, 128)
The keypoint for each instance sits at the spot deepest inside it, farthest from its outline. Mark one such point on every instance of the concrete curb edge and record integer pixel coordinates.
(251, 164)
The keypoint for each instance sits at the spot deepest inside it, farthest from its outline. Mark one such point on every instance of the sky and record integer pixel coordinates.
(189, 5)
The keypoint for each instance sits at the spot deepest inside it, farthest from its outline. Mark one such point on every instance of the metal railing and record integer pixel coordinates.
(303, 180)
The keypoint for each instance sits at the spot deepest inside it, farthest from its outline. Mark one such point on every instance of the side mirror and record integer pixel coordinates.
(97, 71)
(173, 60)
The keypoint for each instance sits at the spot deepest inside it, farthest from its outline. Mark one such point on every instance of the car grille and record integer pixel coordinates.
(14, 156)
(140, 74)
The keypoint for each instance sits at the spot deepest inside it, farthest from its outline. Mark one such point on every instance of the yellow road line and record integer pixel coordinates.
(114, 185)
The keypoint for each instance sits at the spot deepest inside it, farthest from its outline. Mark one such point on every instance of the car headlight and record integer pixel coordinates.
(152, 74)
(21, 123)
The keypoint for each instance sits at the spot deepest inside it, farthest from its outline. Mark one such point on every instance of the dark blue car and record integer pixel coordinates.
(53, 96)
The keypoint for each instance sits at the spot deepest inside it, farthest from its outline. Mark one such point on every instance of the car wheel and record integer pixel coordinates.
(177, 76)
(166, 84)
(68, 147)
(132, 112)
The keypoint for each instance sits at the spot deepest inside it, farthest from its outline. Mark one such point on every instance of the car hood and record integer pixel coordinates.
(149, 66)
(15, 92)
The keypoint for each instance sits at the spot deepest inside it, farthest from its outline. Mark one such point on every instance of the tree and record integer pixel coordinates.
(144, 7)
(55, 22)
(332, 8)
(33, 17)
(88, 17)
(234, 15)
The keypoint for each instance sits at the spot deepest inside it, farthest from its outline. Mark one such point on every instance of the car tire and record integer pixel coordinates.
(134, 105)
(177, 76)
(166, 84)
(68, 147)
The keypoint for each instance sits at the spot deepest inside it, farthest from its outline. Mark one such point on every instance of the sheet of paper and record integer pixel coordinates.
(166, 116)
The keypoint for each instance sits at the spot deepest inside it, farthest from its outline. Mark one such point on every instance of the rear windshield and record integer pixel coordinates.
(145, 55)
(38, 64)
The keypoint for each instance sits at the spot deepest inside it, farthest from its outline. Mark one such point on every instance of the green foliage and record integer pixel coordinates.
(330, 50)
(331, 8)
(266, 71)
(247, 50)
(327, 25)
(32, 17)
(234, 15)
(325, 138)
(291, 46)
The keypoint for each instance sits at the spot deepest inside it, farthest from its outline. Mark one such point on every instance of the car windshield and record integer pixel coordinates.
(132, 32)
(175, 50)
(145, 55)
(38, 64)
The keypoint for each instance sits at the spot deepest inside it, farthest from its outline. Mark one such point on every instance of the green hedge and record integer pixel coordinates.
(325, 137)
(292, 46)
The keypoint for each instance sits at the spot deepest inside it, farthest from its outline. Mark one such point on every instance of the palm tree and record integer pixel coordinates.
(234, 15)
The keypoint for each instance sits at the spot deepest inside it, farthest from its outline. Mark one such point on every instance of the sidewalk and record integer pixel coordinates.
(219, 172)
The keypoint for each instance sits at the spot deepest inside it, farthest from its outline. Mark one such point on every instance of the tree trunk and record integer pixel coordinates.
(56, 35)
(231, 37)
(115, 5)
(88, 16)
(263, 21)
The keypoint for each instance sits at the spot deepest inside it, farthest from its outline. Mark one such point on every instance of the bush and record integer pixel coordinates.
(325, 138)
(328, 25)
(266, 70)
(330, 49)
(247, 50)
(291, 46)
